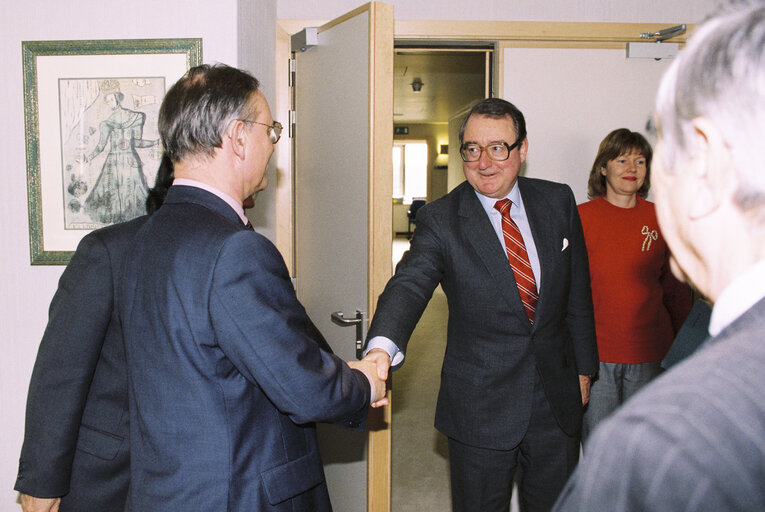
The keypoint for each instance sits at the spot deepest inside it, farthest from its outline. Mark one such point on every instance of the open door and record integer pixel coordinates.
(343, 140)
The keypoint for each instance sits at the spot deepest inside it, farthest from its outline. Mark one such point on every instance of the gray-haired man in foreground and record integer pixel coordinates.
(695, 438)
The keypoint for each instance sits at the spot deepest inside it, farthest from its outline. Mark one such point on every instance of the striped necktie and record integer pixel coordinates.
(519, 259)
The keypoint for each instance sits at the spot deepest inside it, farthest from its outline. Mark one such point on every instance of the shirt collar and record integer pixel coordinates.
(746, 290)
(233, 203)
(488, 202)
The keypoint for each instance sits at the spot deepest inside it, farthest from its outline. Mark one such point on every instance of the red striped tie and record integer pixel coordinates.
(519, 259)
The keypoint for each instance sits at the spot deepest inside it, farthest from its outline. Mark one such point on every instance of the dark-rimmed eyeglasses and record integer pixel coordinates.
(274, 130)
(497, 151)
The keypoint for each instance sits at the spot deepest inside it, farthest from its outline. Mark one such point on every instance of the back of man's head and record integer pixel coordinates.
(720, 75)
(198, 108)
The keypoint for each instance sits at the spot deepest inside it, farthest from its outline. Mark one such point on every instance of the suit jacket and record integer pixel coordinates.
(692, 439)
(492, 351)
(226, 375)
(76, 432)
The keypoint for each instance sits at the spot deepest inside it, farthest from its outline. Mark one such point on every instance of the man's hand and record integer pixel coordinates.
(584, 385)
(32, 504)
(382, 359)
(372, 372)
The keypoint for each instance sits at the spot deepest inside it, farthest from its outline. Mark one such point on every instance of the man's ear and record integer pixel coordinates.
(712, 178)
(237, 138)
(524, 149)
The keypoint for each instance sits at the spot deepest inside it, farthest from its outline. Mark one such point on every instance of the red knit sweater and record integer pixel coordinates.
(639, 305)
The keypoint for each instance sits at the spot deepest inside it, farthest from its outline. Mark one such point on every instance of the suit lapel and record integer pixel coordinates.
(543, 232)
(477, 228)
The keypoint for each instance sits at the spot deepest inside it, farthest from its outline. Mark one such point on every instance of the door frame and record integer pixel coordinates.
(501, 34)
(498, 33)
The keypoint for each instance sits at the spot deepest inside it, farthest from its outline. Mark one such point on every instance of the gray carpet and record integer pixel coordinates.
(420, 467)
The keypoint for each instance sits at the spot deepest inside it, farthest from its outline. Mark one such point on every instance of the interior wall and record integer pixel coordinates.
(633, 11)
(584, 94)
(256, 44)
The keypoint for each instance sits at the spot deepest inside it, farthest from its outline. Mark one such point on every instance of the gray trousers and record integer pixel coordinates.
(615, 384)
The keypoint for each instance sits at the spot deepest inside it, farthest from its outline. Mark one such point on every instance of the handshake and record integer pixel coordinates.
(375, 366)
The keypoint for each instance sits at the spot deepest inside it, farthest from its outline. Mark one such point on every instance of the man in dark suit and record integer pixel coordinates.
(76, 451)
(225, 370)
(521, 337)
(694, 439)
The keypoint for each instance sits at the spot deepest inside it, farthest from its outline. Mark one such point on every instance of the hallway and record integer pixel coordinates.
(420, 468)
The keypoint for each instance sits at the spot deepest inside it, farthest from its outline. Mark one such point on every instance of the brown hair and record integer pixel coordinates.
(616, 143)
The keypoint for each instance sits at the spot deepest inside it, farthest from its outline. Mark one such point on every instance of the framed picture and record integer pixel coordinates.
(92, 144)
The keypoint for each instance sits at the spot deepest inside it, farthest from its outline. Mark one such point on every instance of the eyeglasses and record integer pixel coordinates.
(274, 130)
(497, 151)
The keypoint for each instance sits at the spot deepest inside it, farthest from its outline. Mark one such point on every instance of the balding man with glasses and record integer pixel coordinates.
(226, 371)
(509, 253)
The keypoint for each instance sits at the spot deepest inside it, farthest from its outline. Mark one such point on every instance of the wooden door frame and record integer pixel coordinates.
(498, 33)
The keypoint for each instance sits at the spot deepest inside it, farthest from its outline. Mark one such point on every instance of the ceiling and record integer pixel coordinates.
(451, 80)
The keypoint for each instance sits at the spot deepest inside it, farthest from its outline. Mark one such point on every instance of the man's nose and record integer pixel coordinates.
(484, 161)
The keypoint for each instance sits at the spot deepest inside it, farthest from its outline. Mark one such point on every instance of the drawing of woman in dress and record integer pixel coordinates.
(120, 191)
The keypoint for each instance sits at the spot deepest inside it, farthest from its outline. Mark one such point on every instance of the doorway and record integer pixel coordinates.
(430, 87)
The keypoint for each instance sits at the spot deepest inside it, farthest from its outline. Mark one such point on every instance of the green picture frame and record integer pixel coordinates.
(92, 147)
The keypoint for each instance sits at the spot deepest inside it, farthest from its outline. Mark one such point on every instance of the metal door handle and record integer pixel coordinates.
(360, 321)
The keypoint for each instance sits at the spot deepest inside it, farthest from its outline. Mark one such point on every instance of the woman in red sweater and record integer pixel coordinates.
(639, 305)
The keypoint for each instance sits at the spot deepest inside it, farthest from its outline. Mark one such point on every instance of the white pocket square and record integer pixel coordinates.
(565, 244)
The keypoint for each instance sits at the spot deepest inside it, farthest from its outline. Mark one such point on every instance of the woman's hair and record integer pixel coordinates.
(165, 176)
(617, 143)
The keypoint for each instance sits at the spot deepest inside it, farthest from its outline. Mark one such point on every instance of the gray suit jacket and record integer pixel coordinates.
(76, 432)
(492, 351)
(693, 439)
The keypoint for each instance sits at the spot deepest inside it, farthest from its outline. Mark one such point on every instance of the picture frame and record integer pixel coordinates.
(92, 143)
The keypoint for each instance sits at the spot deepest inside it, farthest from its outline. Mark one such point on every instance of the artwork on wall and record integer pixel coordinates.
(92, 144)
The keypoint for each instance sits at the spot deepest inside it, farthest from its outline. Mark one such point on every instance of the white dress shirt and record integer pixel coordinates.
(738, 297)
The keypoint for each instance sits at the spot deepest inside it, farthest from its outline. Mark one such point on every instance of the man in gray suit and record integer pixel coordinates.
(521, 337)
(695, 438)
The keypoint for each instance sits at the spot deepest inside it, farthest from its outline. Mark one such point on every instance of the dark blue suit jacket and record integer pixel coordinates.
(492, 351)
(226, 375)
(78, 392)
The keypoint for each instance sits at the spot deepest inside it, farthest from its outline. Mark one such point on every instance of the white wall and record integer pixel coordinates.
(26, 290)
(587, 93)
(626, 11)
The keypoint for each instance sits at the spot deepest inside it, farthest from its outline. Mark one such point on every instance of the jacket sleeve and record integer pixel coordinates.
(266, 333)
(407, 293)
(79, 316)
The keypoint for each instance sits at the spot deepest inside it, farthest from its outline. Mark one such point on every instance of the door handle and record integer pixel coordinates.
(360, 321)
